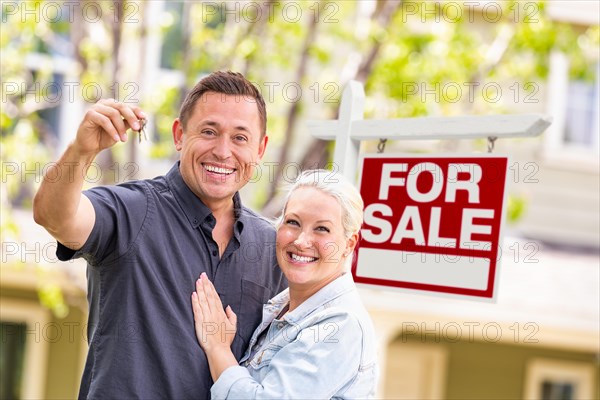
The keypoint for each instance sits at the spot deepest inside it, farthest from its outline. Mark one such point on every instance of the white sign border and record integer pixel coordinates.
(496, 286)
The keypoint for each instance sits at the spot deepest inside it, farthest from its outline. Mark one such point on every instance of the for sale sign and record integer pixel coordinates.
(431, 223)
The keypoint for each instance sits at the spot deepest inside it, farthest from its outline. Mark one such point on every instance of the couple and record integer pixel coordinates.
(147, 242)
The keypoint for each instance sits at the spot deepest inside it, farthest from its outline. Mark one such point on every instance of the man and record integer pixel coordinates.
(146, 242)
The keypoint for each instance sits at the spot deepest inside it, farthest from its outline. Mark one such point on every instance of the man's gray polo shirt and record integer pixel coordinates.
(150, 242)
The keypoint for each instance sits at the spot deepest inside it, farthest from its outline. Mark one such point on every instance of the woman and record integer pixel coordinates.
(316, 339)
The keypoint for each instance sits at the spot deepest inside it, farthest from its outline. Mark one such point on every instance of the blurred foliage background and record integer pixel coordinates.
(393, 47)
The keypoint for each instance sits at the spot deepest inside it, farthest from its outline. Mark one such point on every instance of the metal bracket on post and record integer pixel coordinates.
(381, 145)
(491, 142)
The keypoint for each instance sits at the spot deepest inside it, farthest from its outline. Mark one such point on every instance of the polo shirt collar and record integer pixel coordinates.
(239, 216)
(193, 207)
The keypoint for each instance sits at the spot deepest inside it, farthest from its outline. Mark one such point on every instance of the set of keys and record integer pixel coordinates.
(142, 130)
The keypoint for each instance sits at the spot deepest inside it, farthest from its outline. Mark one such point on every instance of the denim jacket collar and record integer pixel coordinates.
(334, 289)
(271, 310)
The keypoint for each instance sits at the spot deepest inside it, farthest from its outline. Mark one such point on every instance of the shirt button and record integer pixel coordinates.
(214, 253)
(280, 325)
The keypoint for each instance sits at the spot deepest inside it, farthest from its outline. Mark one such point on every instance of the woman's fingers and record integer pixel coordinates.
(198, 317)
(208, 299)
(214, 325)
(202, 300)
(212, 297)
(231, 316)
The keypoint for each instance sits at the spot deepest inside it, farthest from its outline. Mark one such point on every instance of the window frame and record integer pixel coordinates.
(35, 317)
(538, 370)
(431, 359)
(556, 149)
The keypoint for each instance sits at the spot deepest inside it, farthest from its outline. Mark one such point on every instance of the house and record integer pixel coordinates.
(540, 339)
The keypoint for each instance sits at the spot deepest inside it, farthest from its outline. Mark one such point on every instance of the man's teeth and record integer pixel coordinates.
(298, 258)
(218, 170)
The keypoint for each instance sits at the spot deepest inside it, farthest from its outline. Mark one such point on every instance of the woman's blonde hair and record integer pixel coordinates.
(336, 185)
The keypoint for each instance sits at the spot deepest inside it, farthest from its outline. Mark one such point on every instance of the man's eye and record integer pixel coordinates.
(241, 138)
(209, 132)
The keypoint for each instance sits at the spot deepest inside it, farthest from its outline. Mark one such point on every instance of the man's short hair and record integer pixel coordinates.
(228, 83)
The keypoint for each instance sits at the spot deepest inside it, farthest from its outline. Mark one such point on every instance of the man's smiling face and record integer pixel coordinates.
(220, 145)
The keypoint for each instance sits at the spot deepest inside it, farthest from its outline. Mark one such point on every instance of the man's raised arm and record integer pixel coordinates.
(59, 205)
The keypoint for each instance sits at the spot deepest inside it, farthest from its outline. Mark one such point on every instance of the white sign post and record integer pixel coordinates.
(351, 128)
(470, 215)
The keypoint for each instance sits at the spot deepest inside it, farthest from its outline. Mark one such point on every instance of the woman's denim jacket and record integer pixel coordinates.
(323, 349)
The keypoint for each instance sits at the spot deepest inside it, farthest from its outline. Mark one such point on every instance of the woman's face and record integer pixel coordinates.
(311, 245)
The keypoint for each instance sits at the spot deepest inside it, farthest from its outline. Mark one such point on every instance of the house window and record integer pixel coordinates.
(581, 127)
(573, 105)
(415, 371)
(23, 353)
(549, 379)
(12, 354)
(552, 390)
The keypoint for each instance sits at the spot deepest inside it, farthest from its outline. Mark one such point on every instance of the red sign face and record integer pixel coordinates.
(431, 223)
